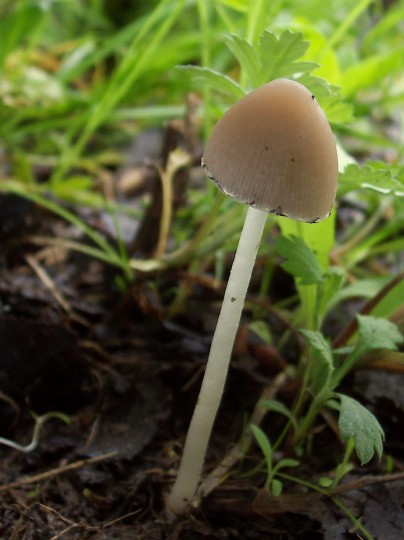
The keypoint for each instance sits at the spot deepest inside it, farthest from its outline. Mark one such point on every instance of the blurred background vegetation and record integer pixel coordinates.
(81, 79)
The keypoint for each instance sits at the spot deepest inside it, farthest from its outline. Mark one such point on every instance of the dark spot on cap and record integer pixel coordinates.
(233, 299)
(277, 211)
(276, 120)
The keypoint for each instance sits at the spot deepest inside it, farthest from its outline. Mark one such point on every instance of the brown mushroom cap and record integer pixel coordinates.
(274, 150)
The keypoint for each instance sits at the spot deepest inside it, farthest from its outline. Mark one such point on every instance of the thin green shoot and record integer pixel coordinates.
(40, 421)
(271, 482)
(355, 521)
(153, 32)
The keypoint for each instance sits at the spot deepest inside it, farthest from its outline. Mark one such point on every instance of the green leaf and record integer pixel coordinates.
(266, 448)
(356, 422)
(19, 26)
(365, 288)
(216, 80)
(247, 58)
(376, 333)
(319, 237)
(238, 5)
(263, 442)
(279, 55)
(325, 482)
(261, 329)
(332, 281)
(323, 362)
(287, 463)
(277, 406)
(319, 347)
(387, 25)
(343, 469)
(301, 261)
(391, 302)
(337, 110)
(366, 177)
(370, 71)
(333, 404)
(276, 487)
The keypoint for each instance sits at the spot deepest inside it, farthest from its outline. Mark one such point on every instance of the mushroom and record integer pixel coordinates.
(273, 150)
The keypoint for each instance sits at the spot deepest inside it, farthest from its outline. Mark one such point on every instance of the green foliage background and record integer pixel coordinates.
(79, 80)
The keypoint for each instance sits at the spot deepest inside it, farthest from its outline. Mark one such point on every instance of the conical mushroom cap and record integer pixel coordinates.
(274, 150)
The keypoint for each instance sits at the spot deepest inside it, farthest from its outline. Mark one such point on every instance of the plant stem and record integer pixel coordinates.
(218, 362)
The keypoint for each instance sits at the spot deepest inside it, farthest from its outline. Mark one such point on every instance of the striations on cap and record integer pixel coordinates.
(274, 150)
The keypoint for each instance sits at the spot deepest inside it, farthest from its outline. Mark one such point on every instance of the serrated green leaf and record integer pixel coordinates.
(366, 177)
(332, 281)
(320, 238)
(376, 333)
(335, 108)
(317, 86)
(279, 55)
(216, 80)
(300, 260)
(323, 365)
(356, 422)
(319, 347)
(247, 58)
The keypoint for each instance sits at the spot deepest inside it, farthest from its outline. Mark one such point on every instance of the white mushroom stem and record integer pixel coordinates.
(214, 380)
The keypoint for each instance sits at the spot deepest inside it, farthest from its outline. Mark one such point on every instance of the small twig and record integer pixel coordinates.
(74, 525)
(71, 524)
(49, 283)
(176, 160)
(366, 481)
(52, 288)
(26, 480)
